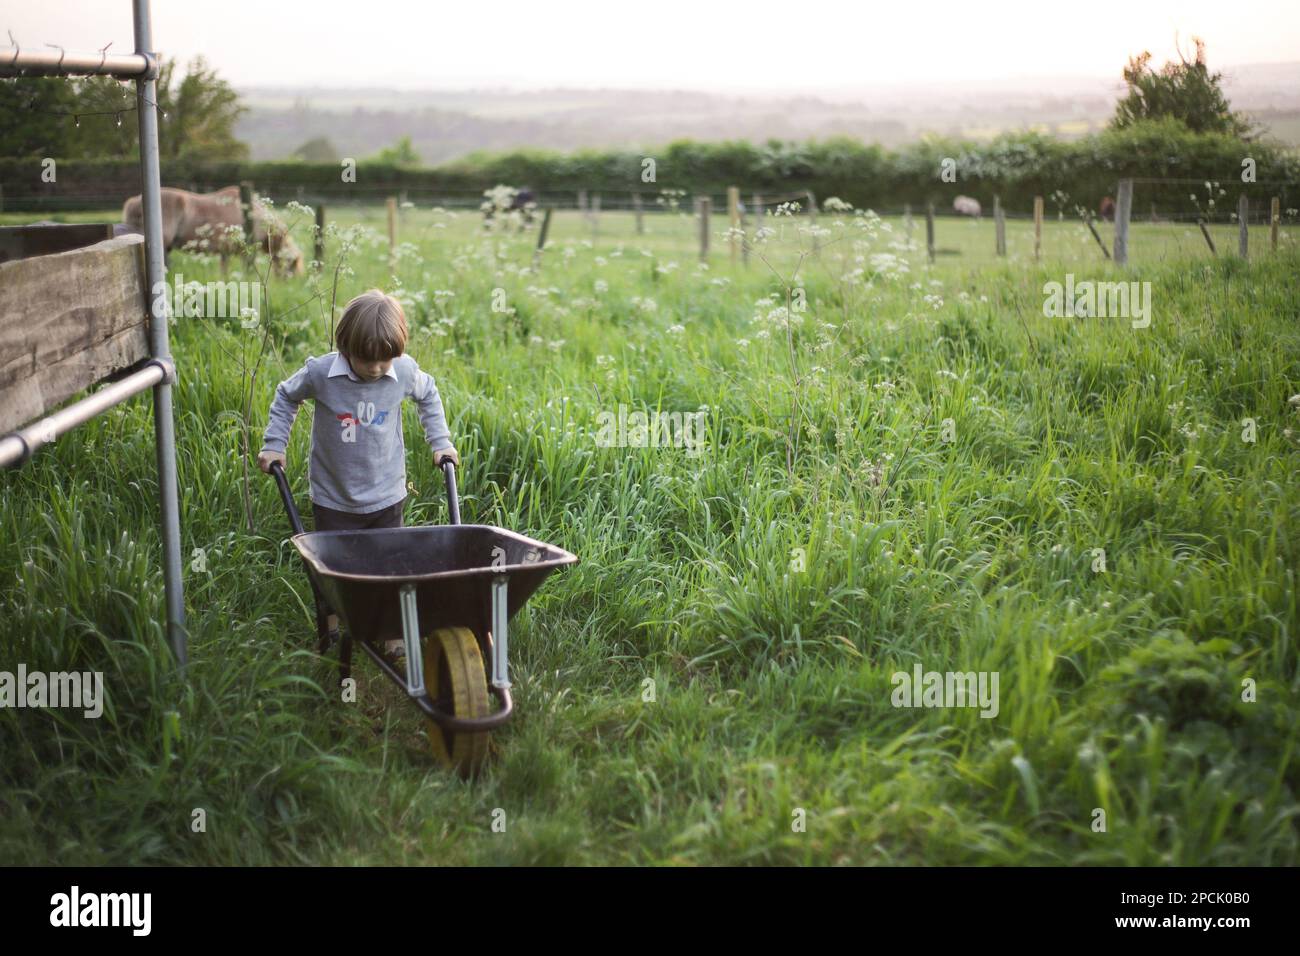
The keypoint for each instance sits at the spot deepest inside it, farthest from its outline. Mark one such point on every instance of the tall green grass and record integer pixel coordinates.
(1119, 691)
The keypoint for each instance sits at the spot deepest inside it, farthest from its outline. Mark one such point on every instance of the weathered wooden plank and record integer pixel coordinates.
(68, 321)
(43, 239)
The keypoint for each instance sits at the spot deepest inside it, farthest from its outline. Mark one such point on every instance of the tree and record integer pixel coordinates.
(201, 114)
(318, 150)
(401, 153)
(94, 117)
(31, 120)
(1186, 92)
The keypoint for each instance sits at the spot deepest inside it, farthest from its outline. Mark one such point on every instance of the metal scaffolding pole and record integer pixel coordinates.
(15, 61)
(22, 443)
(156, 272)
(142, 66)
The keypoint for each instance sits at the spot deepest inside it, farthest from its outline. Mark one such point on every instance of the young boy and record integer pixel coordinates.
(357, 471)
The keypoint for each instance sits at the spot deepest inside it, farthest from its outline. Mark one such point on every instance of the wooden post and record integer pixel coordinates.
(582, 200)
(392, 231)
(929, 230)
(1274, 217)
(756, 200)
(1123, 212)
(541, 238)
(907, 219)
(812, 215)
(705, 205)
(246, 208)
(733, 214)
(319, 254)
(999, 227)
(1243, 225)
(1206, 233)
(1096, 235)
(640, 215)
(1038, 227)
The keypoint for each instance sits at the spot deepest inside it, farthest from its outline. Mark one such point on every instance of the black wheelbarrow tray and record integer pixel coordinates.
(447, 592)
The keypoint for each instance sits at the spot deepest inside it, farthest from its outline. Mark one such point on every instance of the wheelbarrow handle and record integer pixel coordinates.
(453, 502)
(277, 471)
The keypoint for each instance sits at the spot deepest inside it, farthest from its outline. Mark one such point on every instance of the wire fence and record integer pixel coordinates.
(1170, 219)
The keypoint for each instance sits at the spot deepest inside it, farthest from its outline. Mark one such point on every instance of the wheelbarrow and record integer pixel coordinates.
(447, 592)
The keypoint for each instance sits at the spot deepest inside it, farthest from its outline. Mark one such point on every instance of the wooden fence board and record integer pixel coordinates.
(67, 321)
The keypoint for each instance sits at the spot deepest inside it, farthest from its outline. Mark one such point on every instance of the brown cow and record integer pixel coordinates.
(1107, 209)
(193, 218)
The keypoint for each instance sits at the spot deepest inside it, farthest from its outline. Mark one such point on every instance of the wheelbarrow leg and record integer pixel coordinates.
(327, 635)
(345, 657)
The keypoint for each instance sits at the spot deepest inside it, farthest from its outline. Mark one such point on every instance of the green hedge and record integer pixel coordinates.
(1015, 166)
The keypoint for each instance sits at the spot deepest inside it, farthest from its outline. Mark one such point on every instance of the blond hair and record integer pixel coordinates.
(373, 328)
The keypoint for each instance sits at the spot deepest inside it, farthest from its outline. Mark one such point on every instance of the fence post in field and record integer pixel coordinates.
(929, 230)
(1243, 225)
(812, 215)
(907, 219)
(392, 231)
(733, 216)
(1096, 235)
(1274, 217)
(541, 238)
(756, 199)
(1123, 212)
(705, 205)
(636, 208)
(1038, 227)
(319, 254)
(1206, 233)
(595, 215)
(246, 209)
(999, 227)
(582, 200)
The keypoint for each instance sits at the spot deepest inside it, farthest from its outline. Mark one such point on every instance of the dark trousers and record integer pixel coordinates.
(327, 519)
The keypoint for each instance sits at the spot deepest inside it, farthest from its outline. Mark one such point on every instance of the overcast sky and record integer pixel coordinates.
(681, 44)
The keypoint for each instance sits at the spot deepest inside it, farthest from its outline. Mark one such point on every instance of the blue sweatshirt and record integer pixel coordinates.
(358, 455)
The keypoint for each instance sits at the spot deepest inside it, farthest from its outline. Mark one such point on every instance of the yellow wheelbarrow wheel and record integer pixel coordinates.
(456, 680)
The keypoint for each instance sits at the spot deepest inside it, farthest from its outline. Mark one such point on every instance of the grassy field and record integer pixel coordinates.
(919, 468)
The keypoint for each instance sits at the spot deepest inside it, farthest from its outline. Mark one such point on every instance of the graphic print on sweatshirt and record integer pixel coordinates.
(366, 416)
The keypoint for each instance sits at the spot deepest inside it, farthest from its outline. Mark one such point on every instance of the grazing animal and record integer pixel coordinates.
(1107, 209)
(185, 216)
(520, 200)
(965, 206)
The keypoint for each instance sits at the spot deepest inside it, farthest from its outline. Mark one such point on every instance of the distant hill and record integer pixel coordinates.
(445, 124)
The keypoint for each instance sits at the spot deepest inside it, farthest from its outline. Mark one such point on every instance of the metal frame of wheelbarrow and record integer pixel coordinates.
(413, 681)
